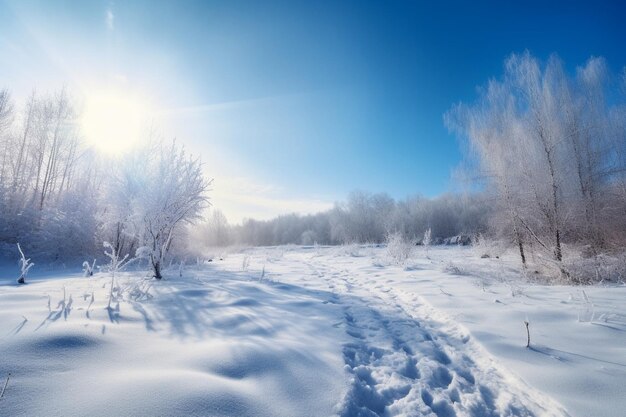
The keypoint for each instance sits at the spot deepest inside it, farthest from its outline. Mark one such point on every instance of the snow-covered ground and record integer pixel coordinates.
(313, 332)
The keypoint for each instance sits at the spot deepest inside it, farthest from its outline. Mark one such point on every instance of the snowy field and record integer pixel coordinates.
(313, 332)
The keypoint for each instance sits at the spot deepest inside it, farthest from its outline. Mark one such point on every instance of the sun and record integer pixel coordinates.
(114, 122)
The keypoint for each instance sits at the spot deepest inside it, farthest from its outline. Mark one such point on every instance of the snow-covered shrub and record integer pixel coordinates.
(275, 254)
(317, 249)
(479, 246)
(486, 248)
(452, 268)
(399, 249)
(427, 240)
(597, 269)
(88, 268)
(370, 250)
(379, 263)
(245, 262)
(115, 265)
(25, 265)
(351, 249)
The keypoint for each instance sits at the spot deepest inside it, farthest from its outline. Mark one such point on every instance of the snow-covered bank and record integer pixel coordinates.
(313, 332)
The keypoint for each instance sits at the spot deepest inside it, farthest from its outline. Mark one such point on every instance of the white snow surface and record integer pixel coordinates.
(310, 331)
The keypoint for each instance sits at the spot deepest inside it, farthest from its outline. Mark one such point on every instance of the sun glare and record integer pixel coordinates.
(114, 122)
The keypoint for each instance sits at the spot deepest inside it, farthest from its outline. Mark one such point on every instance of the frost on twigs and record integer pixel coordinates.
(427, 240)
(115, 265)
(25, 265)
(349, 249)
(245, 262)
(399, 249)
(88, 268)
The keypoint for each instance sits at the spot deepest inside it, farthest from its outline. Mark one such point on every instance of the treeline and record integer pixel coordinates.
(61, 201)
(362, 218)
(48, 183)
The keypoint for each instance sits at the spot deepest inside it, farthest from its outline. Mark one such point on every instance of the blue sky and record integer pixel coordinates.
(293, 104)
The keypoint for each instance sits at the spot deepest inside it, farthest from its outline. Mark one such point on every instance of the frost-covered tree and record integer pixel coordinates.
(173, 193)
(47, 184)
(547, 143)
(494, 135)
(59, 198)
(120, 222)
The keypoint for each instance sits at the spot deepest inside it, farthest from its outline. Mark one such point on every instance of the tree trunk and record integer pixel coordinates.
(558, 254)
(156, 266)
(520, 244)
(554, 218)
(514, 219)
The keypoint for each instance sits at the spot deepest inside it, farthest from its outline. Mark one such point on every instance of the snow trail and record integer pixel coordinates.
(404, 360)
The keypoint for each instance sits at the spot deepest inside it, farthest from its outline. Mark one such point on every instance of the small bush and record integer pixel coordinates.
(245, 262)
(349, 249)
(399, 249)
(603, 268)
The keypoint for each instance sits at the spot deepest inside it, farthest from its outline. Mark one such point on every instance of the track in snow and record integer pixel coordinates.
(404, 362)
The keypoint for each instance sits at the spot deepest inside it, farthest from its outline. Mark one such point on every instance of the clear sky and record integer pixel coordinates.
(292, 104)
